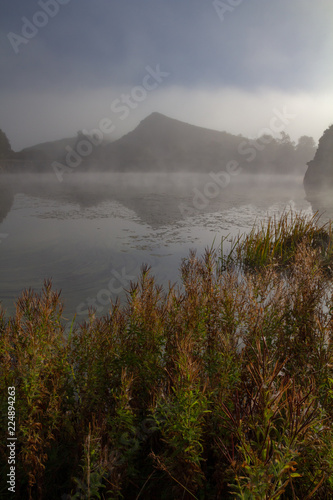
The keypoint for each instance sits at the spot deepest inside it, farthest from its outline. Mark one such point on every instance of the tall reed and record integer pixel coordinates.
(220, 389)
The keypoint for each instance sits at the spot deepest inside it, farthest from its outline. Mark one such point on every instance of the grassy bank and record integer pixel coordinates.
(221, 390)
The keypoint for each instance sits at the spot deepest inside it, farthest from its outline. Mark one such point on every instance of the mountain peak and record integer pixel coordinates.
(155, 116)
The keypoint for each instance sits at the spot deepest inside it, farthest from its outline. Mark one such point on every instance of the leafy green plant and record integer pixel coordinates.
(220, 388)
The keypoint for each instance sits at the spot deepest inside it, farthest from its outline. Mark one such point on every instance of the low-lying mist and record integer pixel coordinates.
(159, 198)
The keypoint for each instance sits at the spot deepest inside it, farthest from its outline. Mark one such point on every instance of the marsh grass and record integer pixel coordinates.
(221, 389)
(276, 241)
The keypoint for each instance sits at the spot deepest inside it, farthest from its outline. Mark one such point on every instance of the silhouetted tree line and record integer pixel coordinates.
(278, 155)
(265, 154)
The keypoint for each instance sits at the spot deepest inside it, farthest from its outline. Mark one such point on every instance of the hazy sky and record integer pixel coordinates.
(228, 65)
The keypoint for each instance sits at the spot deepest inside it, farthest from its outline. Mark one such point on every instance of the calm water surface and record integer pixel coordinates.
(91, 233)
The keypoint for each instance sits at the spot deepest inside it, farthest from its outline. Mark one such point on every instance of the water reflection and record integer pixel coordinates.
(92, 231)
(157, 199)
(323, 204)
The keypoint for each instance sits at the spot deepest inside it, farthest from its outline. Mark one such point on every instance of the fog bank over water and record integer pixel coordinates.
(156, 198)
(91, 233)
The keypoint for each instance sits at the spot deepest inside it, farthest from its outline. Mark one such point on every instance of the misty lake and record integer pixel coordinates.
(91, 233)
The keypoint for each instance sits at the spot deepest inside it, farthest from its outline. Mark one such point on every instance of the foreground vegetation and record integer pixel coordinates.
(220, 389)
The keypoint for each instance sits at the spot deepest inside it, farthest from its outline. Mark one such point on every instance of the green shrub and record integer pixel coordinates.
(220, 389)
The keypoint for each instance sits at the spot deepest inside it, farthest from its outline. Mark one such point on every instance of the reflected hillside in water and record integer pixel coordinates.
(162, 199)
(323, 204)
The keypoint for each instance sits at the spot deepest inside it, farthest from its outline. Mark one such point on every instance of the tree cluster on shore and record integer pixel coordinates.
(163, 144)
